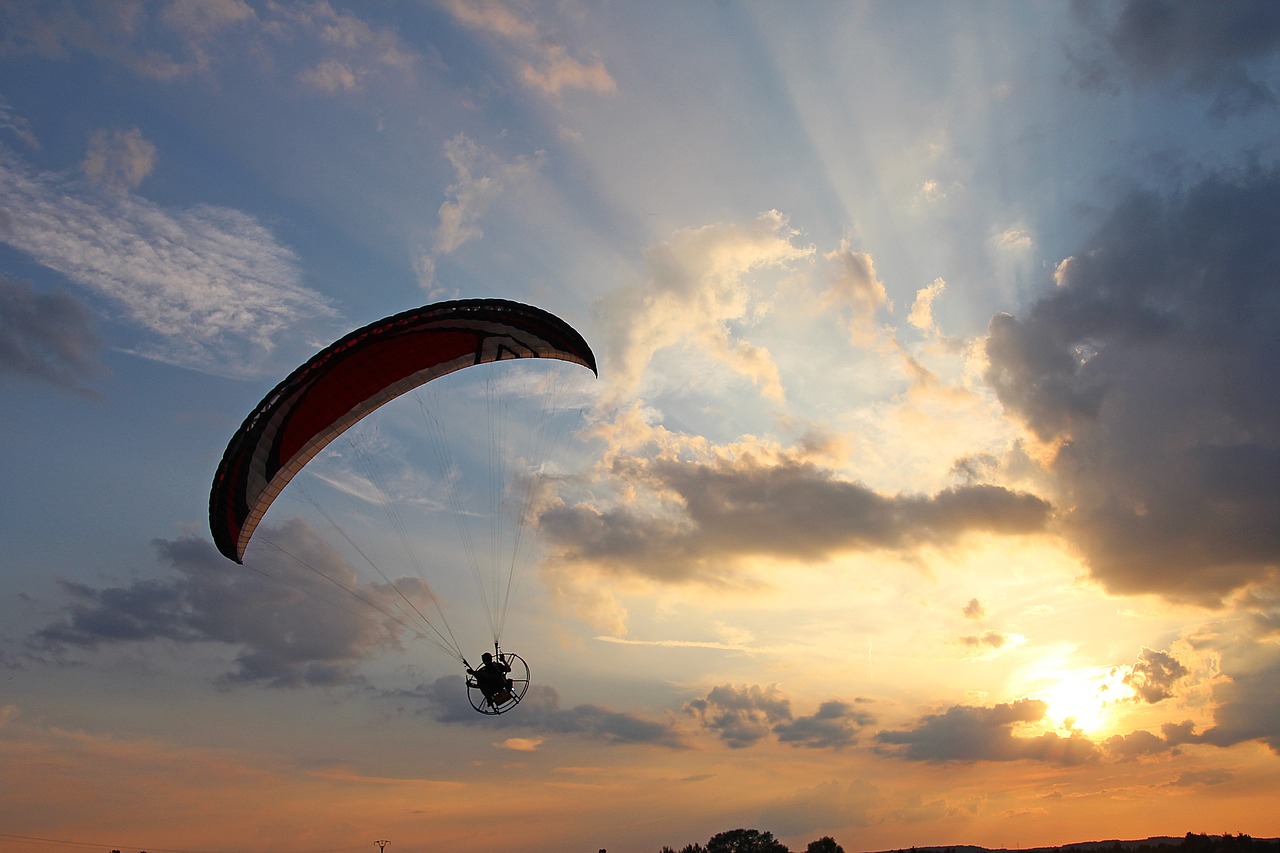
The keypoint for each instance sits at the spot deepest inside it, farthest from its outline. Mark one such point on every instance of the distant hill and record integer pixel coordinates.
(1190, 843)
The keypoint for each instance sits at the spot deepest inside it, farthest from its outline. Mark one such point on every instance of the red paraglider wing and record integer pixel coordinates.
(357, 374)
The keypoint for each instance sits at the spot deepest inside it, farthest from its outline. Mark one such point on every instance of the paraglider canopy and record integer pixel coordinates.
(354, 376)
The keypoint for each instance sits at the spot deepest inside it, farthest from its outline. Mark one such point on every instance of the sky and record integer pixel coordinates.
(929, 492)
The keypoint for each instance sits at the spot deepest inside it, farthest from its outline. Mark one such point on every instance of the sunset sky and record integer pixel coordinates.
(929, 492)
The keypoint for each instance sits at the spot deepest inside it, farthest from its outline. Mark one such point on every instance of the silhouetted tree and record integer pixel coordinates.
(745, 841)
(688, 848)
(825, 844)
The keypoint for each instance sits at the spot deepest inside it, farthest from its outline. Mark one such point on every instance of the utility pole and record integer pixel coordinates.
(382, 845)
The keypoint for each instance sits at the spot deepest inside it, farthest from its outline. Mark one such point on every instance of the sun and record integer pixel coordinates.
(1084, 699)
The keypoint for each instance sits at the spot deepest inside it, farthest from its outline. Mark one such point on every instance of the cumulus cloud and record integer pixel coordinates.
(287, 615)
(540, 712)
(1150, 368)
(545, 64)
(857, 291)
(743, 716)
(974, 609)
(212, 285)
(1154, 675)
(697, 293)
(118, 160)
(967, 734)
(46, 337)
(835, 724)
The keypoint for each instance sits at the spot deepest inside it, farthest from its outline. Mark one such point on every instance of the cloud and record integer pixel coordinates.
(696, 296)
(482, 178)
(115, 32)
(708, 515)
(857, 290)
(325, 49)
(45, 337)
(1153, 676)
(974, 609)
(743, 716)
(1150, 369)
(353, 51)
(1246, 708)
(211, 284)
(1208, 47)
(284, 611)
(544, 63)
(118, 160)
(1136, 745)
(540, 712)
(555, 70)
(990, 639)
(964, 733)
(17, 125)
(834, 725)
(921, 315)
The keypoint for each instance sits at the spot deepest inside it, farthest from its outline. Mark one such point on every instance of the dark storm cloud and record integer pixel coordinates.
(291, 626)
(1153, 365)
(1154, 675)
(743, 716)
(729, 510)
(1212, 48)
(969, 734)
(540, 712)
(46, 337)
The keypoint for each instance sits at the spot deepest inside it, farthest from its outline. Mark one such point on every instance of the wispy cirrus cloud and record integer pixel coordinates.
(212, 285)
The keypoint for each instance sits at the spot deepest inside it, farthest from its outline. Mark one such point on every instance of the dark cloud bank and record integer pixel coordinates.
(1153, 362)
(1218, 51)
(791, 510)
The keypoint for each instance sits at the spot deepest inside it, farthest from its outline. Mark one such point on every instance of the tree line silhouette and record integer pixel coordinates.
(755, 841)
